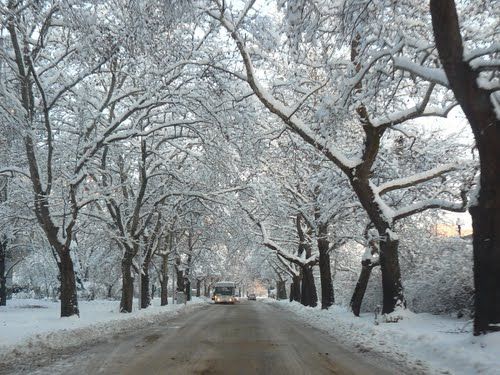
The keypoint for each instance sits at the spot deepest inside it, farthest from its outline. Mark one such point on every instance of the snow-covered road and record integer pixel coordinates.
(247, 338)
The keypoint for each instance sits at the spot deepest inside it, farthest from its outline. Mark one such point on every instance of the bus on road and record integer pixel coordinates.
(224, 292)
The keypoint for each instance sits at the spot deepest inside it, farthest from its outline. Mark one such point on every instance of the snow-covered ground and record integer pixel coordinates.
(434, 344)
(441, 345)
(29, 326)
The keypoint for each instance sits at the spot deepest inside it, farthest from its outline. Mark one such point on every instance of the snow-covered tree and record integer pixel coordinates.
(473, 72)
(343, 99)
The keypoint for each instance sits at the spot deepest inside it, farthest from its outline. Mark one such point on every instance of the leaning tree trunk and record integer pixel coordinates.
(325, 272)
(127, 286)
(361, 285)
(309, 296)
(295, 289)
(485, 123)
(69, 300)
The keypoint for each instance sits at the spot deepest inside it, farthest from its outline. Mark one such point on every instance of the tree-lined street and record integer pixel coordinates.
(247, 338)
(339, 155)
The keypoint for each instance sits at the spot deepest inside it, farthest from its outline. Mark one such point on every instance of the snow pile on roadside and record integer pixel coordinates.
(31, 327)
(438, 343)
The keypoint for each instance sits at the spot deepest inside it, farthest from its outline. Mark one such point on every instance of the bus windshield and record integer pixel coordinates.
(224, 290)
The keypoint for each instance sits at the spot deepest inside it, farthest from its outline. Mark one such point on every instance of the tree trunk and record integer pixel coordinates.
(295, 289)
(69, 300)
(110, 291)
(391, 276)
(309, 296)
(486, 243)
(360, 289)
(164, 280)
(3, 275)
(127, 286)
(145, 296)
(198, 287)
(164, 291)
(478, 107)
(188, 289)
(327, 295)
(181, 281)
(280, 289)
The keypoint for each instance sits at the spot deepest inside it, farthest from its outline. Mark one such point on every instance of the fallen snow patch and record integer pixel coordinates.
(439, 344)
(32, 327)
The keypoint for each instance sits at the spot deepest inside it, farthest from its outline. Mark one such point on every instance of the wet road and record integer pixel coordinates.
(250, 337)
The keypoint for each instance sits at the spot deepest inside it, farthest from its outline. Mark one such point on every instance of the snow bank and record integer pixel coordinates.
(30, 327)
(438, 344)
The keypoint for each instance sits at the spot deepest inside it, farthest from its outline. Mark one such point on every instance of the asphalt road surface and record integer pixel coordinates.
(250, 337)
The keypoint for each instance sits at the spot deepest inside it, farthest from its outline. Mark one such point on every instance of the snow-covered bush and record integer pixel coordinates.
(442, 281)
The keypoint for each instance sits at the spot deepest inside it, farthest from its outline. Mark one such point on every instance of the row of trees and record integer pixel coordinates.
(165, 126)
(366, 79)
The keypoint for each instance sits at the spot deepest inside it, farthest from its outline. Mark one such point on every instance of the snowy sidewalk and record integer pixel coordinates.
(437, 344)
(29, 326)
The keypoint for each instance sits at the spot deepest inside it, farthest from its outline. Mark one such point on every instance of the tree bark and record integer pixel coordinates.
(110, 291)
(295, 289)
(479, 110)
(361, 285)
(198, 287)
(391, 276)
(309, 297)
(69, 300)
(164, 281)
(188, 289)
(280, 289)
(164, 291)
(392, 287)
(127, 286)
(145, 296)
(327, 293)
(3, 275)
(181, 281)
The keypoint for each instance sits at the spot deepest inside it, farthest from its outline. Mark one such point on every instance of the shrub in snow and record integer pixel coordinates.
(436, 272)
(443, 281)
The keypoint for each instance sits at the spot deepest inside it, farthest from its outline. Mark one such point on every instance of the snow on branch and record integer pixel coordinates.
(183, 124)
(480, 52)
(430, 204)
(435, 75)
(267, 242)
(12, 170)
(270, 244)
(210, 196)
(400, 117)
(246, 9)
(356, 80)
(286, 113)
(415, 179)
